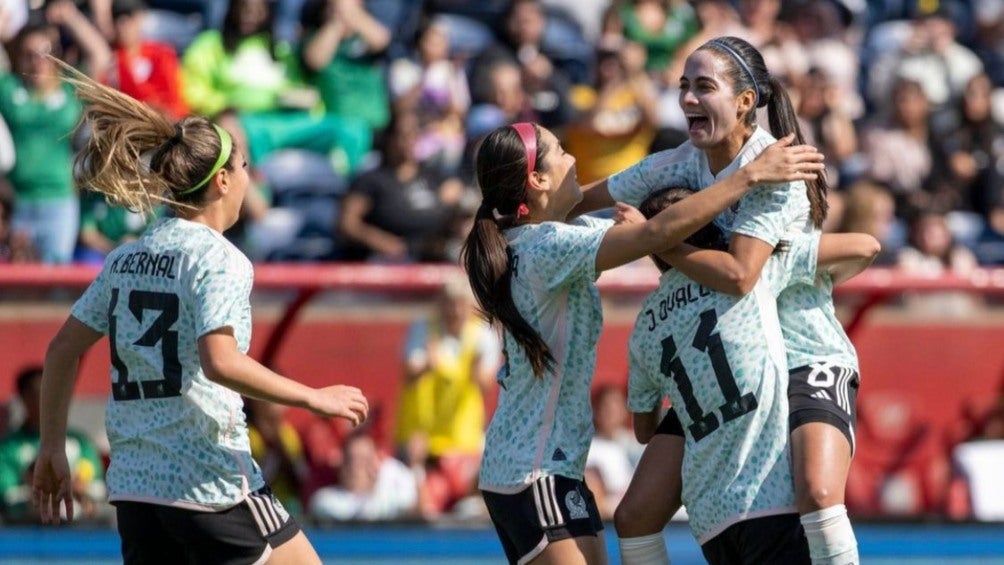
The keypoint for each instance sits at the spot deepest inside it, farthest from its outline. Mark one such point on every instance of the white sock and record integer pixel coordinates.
(831, 538)
(644, 550)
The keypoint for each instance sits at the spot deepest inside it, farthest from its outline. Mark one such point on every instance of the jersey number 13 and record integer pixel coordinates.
(159, 332)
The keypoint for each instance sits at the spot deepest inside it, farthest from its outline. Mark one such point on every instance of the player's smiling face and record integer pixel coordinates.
(560, 170)
(708, 100)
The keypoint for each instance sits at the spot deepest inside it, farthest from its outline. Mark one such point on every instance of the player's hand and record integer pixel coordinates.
(52, 485)
(340, 401)
(627, 214)
(784, 162)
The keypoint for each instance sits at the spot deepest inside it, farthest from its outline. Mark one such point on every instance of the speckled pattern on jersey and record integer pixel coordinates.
(737, 464)
(770, 213)
(544, 426)
(179, 281)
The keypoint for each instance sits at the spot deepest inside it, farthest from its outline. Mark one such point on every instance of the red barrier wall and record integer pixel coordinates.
(919, 379)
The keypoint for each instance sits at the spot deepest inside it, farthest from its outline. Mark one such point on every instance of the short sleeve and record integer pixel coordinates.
(804, 257)
(665, 169)
(92, 306)
(568, 252)
(763, 212)
(644, 393)
(796, 265)
(633, 184)
(221, 294)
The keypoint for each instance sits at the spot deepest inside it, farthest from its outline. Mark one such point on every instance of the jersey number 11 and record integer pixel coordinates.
(736, 404)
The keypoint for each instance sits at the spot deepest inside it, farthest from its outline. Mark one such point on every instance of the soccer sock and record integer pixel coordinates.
(831, 538)
(644, 550)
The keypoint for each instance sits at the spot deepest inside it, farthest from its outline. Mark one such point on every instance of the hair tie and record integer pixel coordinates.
(742, 63)
(495, 214)
(226, 144)
(179, 134)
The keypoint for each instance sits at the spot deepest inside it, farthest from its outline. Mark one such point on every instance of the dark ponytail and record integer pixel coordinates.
(783, 121)
(501, 171)
(747, 70)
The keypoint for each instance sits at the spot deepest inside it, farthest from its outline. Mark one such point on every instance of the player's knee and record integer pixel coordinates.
(623, 520)
(818, 494)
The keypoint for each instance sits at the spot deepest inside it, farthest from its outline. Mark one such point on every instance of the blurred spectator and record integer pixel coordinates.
(504, 101)
(370, 486)
(931, 56)
(784, 54)
(898, 149)
(661, 27)
(989, 37)
(830, 43)
(869, 207)
(543, 78)
(614, 452)
(618, 117)
(17, 456)
(41, 111)
(13, 17)
(832, 131)
(15, 246)
(587, 14)
(146, 70)
(972, 146)
(343, 46)
(400, 211)
(977, 458)
(435, 87)
(932, 252)
(104, 227)
(242, 66)
(278, 450)
(989, 246)
(265, 228)
(450, 361)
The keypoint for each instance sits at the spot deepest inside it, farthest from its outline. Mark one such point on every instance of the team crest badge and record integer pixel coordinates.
(576, 505)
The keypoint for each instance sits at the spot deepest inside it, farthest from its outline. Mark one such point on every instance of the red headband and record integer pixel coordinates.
(528, 135)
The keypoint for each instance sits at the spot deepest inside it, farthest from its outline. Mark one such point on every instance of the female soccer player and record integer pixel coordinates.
(534, 273)
(723, 84)
(175, 307)
(721, 360)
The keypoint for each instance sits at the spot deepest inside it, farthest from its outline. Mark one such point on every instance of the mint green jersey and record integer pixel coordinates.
(770, 213)
(543, 426)
(720, 359)
(176, 437)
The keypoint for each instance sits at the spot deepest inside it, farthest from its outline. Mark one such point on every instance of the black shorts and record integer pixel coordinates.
(157, 534)
(551, 509)
(670, 424)
(823, 392)
(771, 540)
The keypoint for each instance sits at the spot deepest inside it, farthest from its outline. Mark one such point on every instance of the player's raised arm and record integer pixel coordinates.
(844, 255)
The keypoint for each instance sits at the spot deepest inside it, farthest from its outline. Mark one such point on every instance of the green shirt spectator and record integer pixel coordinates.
(19, 449)
(104, 227)
(342, 52)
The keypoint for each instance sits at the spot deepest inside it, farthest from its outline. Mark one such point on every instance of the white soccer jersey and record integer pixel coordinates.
(720, 359)
(770, 213)
(176, 437)
(543, 426)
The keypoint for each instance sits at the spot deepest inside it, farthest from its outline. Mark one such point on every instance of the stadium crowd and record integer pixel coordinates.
(360, 119)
